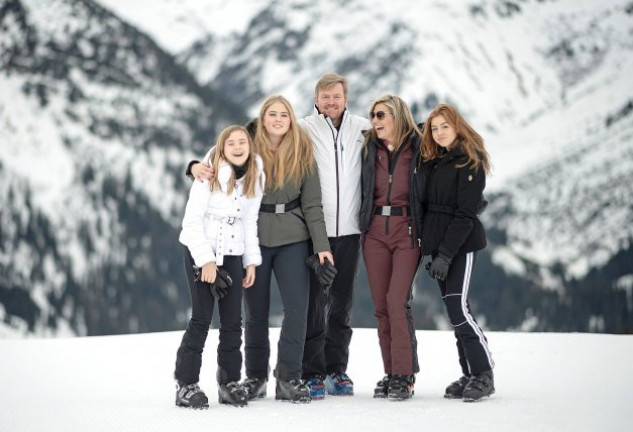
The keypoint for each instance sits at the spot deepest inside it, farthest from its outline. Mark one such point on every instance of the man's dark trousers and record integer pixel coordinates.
(328, 334)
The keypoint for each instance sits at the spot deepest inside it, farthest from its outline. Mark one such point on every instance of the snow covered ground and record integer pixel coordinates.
(544, 381)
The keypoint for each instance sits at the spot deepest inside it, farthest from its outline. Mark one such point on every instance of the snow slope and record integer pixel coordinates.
(545, 382)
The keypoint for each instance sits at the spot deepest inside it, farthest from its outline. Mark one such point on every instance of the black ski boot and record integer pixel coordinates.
(255, 387)
(401, 387)
(456, 388)
(292, 391)
(232, 393)
(382, 387)
(190, 396)
(478, 386)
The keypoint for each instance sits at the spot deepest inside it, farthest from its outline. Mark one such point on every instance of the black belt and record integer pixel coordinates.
(281, 208)
(392, 211)
(437, 208)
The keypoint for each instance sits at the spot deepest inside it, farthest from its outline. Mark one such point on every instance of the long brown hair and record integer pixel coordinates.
(294, 157)
(250, 180)
(403, 120)
(467, 139)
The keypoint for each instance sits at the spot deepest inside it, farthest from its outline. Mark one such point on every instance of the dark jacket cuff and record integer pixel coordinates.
(443, 253)
(188, 171)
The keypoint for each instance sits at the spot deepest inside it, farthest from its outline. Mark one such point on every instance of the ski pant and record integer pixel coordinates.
(189, 356)
(472, 345)
(328, 334)
(293, 279)
(392, 261)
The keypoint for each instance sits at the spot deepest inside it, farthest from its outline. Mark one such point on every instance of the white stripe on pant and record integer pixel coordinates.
(475, 356)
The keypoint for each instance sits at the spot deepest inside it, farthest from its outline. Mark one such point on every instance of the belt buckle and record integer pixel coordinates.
(230, 220)
(280, 208)
(385, 211)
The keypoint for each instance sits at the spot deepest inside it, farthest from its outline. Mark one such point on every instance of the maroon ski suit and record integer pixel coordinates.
(391, 250)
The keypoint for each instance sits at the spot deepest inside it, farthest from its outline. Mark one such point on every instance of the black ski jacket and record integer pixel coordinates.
(449, 200)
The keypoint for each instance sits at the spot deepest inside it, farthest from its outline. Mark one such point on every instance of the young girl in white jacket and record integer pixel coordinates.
(219, 231)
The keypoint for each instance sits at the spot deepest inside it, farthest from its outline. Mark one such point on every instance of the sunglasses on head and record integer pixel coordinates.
(380, 115)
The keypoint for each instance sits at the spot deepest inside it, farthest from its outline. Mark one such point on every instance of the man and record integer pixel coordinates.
(337, 137)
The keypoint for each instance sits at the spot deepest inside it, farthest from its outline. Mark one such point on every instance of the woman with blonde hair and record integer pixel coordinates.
(389, 241)
(219, 232)
(450, 184)
(290, 215)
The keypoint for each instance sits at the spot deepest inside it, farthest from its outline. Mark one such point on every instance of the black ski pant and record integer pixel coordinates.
(328, 334)
(293, 279)
(472, 345)
(189, 356)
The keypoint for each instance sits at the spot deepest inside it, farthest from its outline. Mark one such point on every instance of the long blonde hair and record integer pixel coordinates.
(468, 140)
(250, 180)
(404, 124)
(294, 157)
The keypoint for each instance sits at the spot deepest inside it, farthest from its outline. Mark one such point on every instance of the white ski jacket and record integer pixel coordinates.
(338, 157)
(217, 224)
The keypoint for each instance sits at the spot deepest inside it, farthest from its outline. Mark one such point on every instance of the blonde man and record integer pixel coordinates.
(337, 136)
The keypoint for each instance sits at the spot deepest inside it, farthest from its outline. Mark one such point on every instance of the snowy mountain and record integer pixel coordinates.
(124, 383)
(507, 64)
(97, 123)
(113, 97)
(547, 82)
(566, 227)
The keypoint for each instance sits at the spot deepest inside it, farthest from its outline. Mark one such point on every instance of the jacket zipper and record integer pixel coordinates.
(392, 165)
(334, 138)
(388, 197)
(413, 194)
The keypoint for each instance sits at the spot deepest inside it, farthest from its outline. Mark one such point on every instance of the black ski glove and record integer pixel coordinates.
(438, 268)
(223, 282)
(325, 272)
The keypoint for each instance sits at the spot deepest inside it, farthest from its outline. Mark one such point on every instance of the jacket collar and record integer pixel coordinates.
(450, 155)
(413, 140)
(225, 170)
(328, 119)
